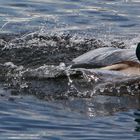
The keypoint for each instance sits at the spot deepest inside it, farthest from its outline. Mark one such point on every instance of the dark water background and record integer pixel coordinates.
(31, 117)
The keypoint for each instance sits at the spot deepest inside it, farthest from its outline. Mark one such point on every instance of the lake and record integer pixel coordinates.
(40, 33)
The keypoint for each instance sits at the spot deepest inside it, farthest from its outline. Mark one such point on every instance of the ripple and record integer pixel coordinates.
(33, 34)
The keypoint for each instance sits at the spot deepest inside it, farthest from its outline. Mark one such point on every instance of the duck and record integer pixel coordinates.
(126, 60)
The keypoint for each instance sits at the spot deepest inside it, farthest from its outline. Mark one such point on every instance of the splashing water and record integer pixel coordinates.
(38, 40)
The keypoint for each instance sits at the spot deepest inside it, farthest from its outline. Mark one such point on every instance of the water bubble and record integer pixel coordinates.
(10, 64)
(62, 66)
(23, 85)
(101, 90)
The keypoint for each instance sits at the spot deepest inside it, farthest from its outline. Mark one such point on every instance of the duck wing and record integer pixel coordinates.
(103, 57)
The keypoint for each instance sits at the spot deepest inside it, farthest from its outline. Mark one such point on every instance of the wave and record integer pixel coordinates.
(41, 65)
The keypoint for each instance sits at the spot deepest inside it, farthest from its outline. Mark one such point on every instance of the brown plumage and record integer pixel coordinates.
(128, 67)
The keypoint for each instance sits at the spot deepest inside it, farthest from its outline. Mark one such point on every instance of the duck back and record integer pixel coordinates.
(104, 57)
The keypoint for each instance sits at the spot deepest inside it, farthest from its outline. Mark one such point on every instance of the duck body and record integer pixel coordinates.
(104, 57)
(109, 58)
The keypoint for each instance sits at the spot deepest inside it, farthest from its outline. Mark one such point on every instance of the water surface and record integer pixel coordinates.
(34, 33)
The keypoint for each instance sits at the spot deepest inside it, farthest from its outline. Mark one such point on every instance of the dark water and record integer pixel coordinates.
(34, 33)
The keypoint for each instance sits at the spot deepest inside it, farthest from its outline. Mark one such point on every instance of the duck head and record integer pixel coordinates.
(138, 51)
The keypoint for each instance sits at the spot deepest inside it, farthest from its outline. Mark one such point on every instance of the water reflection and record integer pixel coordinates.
(89, 107)
(101, 105)
(101, 117)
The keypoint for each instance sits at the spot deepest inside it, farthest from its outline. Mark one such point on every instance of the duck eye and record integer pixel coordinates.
(138, 51)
